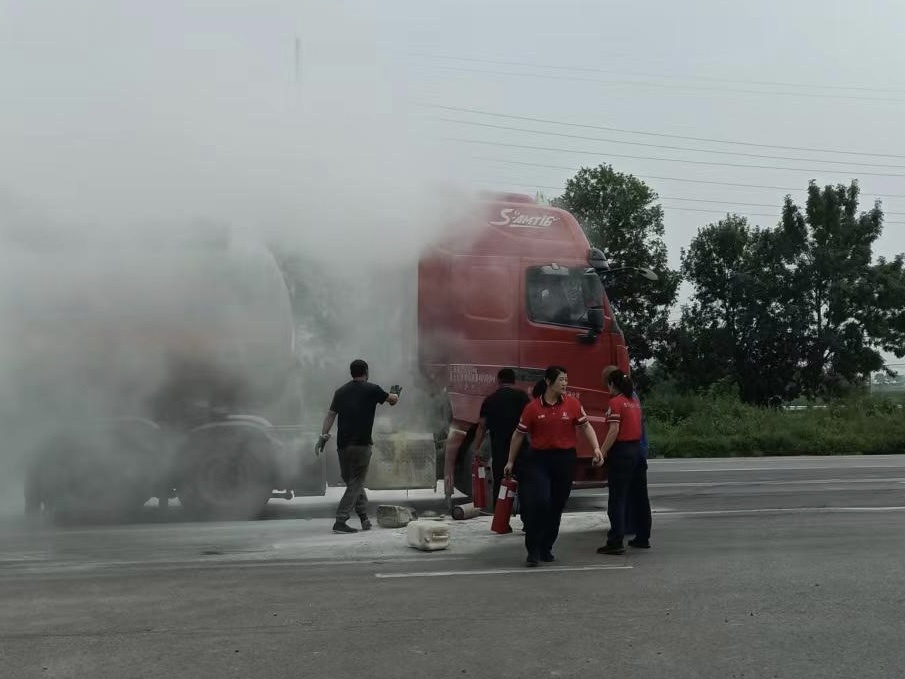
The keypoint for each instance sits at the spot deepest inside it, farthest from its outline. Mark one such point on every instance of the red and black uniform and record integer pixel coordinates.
(547, 468)
(627, 472)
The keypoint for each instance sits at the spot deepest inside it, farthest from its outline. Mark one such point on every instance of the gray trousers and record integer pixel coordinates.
(353, 466)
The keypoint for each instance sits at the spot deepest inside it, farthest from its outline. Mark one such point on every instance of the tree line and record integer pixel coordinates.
(802, 308)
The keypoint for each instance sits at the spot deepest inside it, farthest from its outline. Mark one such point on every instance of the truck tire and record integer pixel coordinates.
(227, 472)
(93, 474)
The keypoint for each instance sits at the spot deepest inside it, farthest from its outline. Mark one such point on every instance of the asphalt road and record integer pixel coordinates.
(760, 568)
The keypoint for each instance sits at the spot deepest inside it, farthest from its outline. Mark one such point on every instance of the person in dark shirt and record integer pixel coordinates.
(354, 404)
(500, 413)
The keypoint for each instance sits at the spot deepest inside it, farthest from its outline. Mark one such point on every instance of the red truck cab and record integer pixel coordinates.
(516, 286)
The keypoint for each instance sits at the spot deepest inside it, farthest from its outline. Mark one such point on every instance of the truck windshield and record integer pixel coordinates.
(559, 295)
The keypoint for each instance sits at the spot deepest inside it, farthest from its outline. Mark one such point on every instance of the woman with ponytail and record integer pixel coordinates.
(627, 467)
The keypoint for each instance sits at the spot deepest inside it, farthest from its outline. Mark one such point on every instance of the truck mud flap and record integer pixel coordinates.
(403, 461)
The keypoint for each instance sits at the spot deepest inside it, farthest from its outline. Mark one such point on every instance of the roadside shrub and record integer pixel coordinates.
(722, 426)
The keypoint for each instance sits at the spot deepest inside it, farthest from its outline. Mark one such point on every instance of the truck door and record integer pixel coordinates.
(555, 327)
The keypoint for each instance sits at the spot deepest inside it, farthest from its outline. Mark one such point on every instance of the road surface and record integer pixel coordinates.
(771, 568)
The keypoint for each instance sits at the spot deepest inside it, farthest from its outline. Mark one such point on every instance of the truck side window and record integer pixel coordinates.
(557, 298)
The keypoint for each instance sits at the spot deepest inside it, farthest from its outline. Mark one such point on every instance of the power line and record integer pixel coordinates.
(748, 214)
(732, 202)
(661, 146)
(634, 83)
(692, 200)
(666, 160)
(670, 179)
(588, 69)
(657, 134)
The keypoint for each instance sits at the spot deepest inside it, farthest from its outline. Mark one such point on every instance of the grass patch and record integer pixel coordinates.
(714, 426)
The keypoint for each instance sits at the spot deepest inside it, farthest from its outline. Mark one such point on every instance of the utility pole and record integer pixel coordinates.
(298, 60)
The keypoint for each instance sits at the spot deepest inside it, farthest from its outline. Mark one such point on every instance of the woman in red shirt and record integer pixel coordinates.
(546, 470)
(622, 455)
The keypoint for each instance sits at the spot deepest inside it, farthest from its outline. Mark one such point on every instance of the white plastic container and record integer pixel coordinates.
(426, 535)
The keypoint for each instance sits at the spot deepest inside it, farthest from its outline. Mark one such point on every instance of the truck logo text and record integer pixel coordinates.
(510, 216)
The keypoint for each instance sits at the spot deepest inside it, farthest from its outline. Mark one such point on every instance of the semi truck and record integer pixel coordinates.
(180, 377)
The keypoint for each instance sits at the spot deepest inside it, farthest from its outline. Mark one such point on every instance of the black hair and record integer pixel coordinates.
(552, 373)
(539, 388)
(358, 368)
(622, 382)
(506, 376)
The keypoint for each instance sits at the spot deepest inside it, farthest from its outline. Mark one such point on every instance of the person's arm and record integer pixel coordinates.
(518, 437)
(325, 432)
(383, 397)
(328, 423)
(514, 447)
(610, 439)
(479, 436)
(584, 424)
(481, 430)
(613, 419)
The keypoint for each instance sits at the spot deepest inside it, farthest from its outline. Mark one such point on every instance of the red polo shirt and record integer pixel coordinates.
(626, 412)
(552, 426)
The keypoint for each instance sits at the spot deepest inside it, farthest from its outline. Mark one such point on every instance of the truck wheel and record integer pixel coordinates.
(89, 476)
(228, 474)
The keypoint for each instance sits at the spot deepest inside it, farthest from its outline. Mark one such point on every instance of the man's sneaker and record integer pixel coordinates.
(531, 561)
(343, 527)
(611, 549)
(365, 523)
(547, 557)
(639, 544)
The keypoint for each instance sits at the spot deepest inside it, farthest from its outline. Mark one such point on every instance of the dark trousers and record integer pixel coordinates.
(353, 467)
(544, 483)
(627, 481)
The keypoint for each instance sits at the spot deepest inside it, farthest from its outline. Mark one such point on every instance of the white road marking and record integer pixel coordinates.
(779, 510)
(501, 571)
(703, 470)
(756, 482)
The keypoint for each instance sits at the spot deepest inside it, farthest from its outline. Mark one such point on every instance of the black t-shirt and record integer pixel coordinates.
(501, 410)
(355, 403)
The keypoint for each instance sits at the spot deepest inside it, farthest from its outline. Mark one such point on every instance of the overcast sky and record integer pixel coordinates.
(125, 108)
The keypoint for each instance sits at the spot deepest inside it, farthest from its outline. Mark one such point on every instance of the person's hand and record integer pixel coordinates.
(321, 442)
(507, 470)
(598, 458)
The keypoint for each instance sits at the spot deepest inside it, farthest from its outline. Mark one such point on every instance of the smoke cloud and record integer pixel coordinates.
(131, 133)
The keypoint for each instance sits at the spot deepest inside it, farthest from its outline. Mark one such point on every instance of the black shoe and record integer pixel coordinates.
(611, 549)
(639, 544)
(547, 557)
(343, 527)
(531, 561)
(365, 523)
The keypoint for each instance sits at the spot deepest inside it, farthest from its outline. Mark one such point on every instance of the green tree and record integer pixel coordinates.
(799, 308)
(621, 216)
(739, 325)
(854, 305)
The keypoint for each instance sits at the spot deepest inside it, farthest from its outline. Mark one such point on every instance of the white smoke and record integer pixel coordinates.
(125, 126)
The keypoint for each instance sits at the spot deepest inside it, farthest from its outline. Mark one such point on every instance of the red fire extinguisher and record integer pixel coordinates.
(504, 504)
(478, 482)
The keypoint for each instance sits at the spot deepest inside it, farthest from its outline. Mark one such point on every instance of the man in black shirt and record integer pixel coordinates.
(500, 414)
(355, 404)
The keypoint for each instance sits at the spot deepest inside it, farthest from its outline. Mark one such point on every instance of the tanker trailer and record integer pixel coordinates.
(159, 367)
